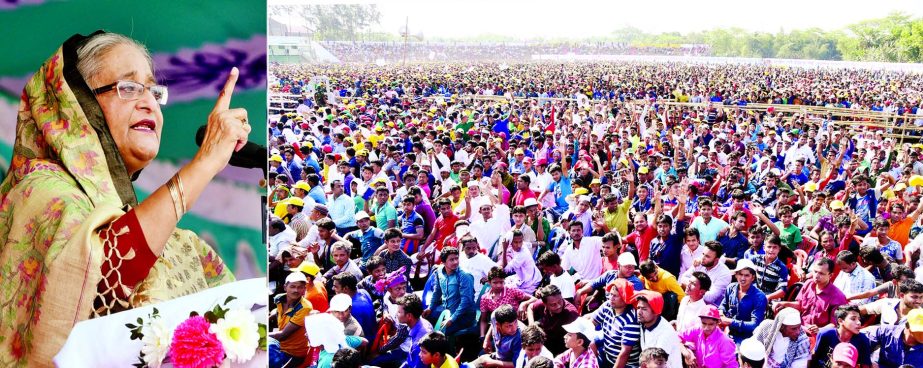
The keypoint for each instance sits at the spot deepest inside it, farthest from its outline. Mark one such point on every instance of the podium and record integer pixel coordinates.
(105, 341)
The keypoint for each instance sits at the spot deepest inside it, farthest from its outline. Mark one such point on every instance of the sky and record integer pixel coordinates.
(580, 18)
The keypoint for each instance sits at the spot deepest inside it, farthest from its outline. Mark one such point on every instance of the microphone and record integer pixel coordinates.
(251, 156)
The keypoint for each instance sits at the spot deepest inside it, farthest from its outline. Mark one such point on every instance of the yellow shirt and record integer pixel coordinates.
(296, 344)
(665, 282)
(618, 219)
(448, 363)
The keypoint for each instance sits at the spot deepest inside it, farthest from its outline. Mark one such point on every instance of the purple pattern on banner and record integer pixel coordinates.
(201, 73)
(10, 4)
(192, 74)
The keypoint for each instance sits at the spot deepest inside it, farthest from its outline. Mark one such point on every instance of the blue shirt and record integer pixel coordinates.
(827, 339)
(508, 346)
(734, 247)
(619, 330)
(370, 241)
(455, 293)
(317, 194)
(893, 352)
(666, 253)
(364, 311)
(746, 312)
(600, 282)
(561, 190)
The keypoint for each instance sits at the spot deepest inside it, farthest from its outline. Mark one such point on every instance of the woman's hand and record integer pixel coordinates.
(226, 131)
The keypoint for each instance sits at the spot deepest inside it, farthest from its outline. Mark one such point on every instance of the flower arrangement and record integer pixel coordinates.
(216, 338)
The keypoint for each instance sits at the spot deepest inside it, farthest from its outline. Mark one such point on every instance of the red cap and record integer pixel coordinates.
(327, 148)
(654, 299)
(844, 352)
(624, 288)
(710, 311)
(542, 162)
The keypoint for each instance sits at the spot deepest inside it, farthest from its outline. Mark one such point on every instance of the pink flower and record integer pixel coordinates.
(194, 346)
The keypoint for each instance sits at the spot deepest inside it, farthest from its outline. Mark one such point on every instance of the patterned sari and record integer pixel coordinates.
(62, 234)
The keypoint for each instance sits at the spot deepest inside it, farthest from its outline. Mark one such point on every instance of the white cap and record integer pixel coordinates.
(340, 303)
(581, 325)
(529, 202)
(752, 349)
(626, 259)
(361, 215)
(702, 159)
(745, 263)
(296, 277)
(789, 317)
(584, 198)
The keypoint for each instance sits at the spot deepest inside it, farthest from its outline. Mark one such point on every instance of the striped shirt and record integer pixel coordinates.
(772, 277)
(619, 330)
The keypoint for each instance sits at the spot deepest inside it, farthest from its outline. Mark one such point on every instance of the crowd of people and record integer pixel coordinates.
(367, 51)
(574, 215)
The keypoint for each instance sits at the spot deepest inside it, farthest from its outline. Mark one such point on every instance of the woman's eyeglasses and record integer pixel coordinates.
(130, 90)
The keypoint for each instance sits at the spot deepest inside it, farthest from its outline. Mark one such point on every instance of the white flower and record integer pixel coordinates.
(157, 338)
(239, 334)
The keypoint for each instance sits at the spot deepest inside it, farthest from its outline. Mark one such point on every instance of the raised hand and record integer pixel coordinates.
(227, 129)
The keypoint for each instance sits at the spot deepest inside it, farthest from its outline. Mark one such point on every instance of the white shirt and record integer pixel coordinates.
(857, 281)
(720, 276)
(777, 354)
(566, 283)
(689, 312)
(477, 266)
(887, 308)
(521, 357)
(280, 241)
(522, 264)
(665, 337)
(586, 260)
(687, 256)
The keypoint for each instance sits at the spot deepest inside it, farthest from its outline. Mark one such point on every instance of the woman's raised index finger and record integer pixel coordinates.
(224, 99)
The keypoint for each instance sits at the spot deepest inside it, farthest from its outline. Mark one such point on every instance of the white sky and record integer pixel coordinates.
(580, 18)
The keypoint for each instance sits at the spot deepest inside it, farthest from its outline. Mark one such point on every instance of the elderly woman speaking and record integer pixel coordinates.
(74, 241)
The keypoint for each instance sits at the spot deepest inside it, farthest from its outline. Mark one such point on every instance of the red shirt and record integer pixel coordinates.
(642, 241)
(819, 308)
(520, 197)
(443, 228)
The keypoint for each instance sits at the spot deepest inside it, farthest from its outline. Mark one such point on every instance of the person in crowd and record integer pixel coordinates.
(707, 345)
(618, 322)
(744, 305)
(291, 309)
(818, 299)
(785, 342)
(577, 340)
(656, 332)
(551, 311)
(829, 338)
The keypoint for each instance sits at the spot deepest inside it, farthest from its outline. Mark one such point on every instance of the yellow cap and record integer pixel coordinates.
(643, 170)
(915, 320)
(916, 181)
(596, 182)
(308, 268)
(837, 204)
(301, 184)
(518, 151)
(810, 186)
(295, 201)
(581, 191)
(276, 158)
(899, 187)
